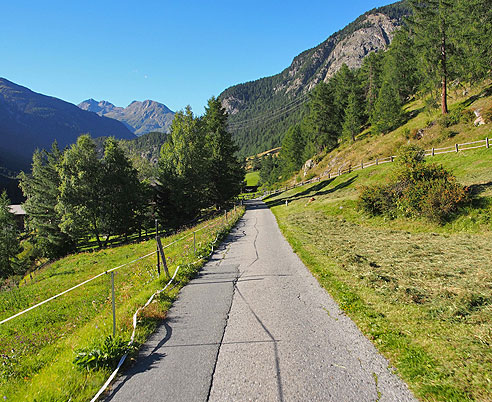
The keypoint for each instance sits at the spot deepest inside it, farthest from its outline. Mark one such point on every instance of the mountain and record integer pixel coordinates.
(140, 117)
(261, 111)
(29, 120)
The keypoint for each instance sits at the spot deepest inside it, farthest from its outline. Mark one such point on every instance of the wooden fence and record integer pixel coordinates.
(379, 161)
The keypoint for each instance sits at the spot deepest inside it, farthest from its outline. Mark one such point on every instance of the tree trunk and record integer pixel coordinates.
(444, 72)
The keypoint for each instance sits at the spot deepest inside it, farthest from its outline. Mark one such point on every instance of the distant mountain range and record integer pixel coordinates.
(139, 117)
(261, 111)
(29, 120)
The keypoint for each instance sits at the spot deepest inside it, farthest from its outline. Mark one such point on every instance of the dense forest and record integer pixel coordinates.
(442, 45)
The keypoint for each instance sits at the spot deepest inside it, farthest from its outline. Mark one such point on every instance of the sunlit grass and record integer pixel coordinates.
(37, 348)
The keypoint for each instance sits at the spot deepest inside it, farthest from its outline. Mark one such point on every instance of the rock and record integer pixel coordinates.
(308, 165)
(479, 121)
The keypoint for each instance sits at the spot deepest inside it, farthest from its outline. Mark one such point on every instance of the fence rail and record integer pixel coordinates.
(341, 170)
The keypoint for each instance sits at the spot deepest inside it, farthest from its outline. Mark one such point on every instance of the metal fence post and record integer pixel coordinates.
(487, 142)
(113, 303)
(457, 149)
(194, 243)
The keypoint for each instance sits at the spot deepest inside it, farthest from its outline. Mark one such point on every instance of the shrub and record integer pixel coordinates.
(104, 354)
(376, 200)
(419, 189)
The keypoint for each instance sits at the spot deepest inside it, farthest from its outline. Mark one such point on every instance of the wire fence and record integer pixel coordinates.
(105, 301)
(349, 167)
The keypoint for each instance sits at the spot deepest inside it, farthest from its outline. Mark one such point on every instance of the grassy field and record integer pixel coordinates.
(37, 349)
(421, 292)
(252, 178)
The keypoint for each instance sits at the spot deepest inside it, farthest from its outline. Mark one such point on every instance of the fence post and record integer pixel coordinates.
(391, 158)
(194, 243)
(113, 303)
(157, 247)
(432, 151)
(487, 142)
(329, 177)
(161, 252)
(362, 164)
(457, 148)
(377, 161)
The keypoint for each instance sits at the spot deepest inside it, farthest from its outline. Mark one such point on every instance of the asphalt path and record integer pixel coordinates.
(256, 326)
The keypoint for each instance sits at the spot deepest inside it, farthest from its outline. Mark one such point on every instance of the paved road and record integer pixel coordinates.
(255, 325)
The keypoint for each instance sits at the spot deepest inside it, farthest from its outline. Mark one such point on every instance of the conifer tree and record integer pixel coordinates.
(433, 26)
(292, 151)
(9, 242)
(322, 123)
(121, 190)
(225, 173)
(353, 117)
(41, 189)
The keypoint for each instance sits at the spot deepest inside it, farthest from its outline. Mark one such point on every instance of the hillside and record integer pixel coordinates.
(29, 120)
(262, 110)
(139, 117)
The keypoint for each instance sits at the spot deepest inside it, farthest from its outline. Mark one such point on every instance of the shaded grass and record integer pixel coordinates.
(37, 349)
(422, 293)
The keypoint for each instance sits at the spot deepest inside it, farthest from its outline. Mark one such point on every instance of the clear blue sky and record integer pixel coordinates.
(177, 53)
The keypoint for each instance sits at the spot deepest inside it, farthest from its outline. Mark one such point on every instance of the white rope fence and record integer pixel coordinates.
(132, 338)
(75, 287)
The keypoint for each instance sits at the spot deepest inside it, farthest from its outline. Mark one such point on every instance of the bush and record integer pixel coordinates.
(419, 189)
(104, 354)
(376, 200)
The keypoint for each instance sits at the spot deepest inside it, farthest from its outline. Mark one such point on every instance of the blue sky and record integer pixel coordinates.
(177, 53)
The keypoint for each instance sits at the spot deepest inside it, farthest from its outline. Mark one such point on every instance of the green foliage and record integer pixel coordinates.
(377, 200)
(102, 354)
(419, 189)
(197, 167)
(41, 189)
(224, 169)
(292, 152)
(9, 243)
(97, 197)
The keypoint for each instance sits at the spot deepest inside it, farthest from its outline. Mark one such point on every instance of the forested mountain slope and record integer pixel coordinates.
(262, 110)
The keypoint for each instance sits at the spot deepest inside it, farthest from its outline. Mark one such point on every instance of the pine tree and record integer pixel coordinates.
(353, 117)
(292, 152)
(41, 189)
(225, 173)
(434, 30)
(9, 242)
(387, 113)
(370, 78)
(323, 122)
(473, 19)
(121, 191)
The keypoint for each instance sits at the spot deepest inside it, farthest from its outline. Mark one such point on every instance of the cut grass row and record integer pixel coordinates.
(422, 293)
(37, 349)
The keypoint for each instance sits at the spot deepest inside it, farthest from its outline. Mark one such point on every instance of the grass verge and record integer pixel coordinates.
(421, 292)
(37, 349)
